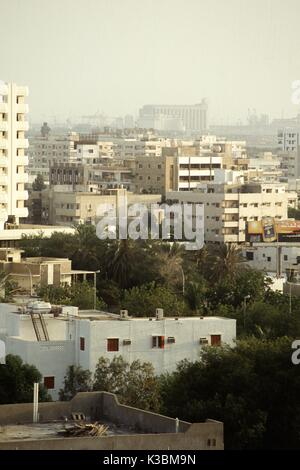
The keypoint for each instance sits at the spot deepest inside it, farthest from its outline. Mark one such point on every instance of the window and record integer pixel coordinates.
(250, 255)
(158, 342)
(269, 258)
(215, 340)
(285, 257)
(49, 382)
(171, 339)
(211, 442)
(82, 343)
(113, 344)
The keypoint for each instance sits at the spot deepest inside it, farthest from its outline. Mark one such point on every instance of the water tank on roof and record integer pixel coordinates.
(217, 148)
(38, 306)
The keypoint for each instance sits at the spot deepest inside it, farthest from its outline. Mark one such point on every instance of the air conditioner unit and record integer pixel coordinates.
(203, 341)
(124, 314)
(126, 342)
(171, 339)
(159, 314)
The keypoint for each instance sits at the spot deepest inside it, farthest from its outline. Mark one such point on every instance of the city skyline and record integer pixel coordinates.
(107, 56)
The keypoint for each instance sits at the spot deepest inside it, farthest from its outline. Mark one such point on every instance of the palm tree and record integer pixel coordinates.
(120, 264)
(224, 260)
(86, 251)
(171, 258)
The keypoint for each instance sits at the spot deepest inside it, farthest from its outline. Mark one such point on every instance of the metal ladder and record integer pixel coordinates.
(41, 333)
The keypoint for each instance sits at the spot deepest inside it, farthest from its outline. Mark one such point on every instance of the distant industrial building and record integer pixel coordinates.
(191, 118)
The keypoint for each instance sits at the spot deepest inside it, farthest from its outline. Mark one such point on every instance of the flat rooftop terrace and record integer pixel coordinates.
(55, 430)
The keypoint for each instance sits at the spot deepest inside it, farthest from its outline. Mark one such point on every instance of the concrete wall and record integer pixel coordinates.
(196, 438)
(186, 331)
(160, 430)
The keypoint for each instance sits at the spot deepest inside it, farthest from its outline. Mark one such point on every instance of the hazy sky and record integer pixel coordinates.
(80, 56)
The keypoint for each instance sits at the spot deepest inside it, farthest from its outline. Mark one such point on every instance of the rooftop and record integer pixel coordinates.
(53, 430)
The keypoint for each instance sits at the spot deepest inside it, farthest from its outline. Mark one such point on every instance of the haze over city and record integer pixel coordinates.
(115, 56)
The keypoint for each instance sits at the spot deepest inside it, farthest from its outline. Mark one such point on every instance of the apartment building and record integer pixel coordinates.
(155, 175)
(288, 139)
(140, 147)
(63, 206)
(81, 337)
(229, 204)
(186, 165)
(93, 176)
(265, 166)
(13, 159)
(43, 151)
(177, 117)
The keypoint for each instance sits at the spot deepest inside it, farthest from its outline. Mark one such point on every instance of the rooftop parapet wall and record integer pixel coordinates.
(153, 431)
(95, 405)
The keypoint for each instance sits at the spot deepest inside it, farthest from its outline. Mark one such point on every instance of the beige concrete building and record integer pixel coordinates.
(30, 273)
(13, 145)
(187, 165)
(64, 207)
(229, 204)
(93, 177)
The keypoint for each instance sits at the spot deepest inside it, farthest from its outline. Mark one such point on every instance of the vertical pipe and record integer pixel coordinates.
(35, 401)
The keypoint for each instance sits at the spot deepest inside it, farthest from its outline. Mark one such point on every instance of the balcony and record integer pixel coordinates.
(3, 107)
(21, 125)
(3, 126)
(3, 216)
(231, 210)
(3, 180)
(230, 223)
(3, 144)
(3, 161)
(21, 178)
(21, 212)
(3, 197)
(22, 195)
(3, 89)
(22, 161)
(230, 238)
(22, 90)
(22, 108)
(22, 143)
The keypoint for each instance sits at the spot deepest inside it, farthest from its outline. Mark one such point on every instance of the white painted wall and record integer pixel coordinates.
(187, 333)
(53, 357)
(265, 257)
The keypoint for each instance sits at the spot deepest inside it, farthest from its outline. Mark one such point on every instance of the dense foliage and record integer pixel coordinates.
(16, 382)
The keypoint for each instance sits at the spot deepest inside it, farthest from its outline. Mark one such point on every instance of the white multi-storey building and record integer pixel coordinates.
(43, 151)
(229, 204)
(13, 145)
(82, 337)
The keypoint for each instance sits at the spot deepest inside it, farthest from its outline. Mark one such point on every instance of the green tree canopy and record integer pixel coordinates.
(76, 380)
(16, 382)
(135, 384)
(253, 388)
